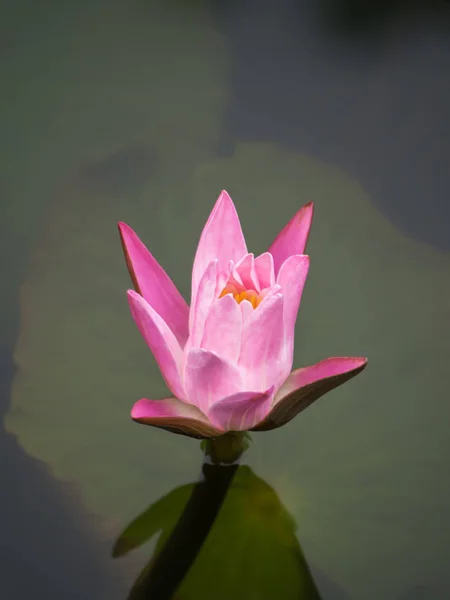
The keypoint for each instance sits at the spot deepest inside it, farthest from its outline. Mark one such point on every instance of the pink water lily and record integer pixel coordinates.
(227, 358)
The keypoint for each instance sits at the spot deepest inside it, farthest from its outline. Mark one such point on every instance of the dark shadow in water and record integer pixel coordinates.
(43, 552)
(167, 570)
(356, 17)
(46, 550)
(228, 530)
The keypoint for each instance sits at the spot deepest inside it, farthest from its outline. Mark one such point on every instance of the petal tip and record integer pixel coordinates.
(363, 361)
(124, 229)
(133, 295)
(293, 238)
(307, 210)
(359, 361)
(135, 412)
(224, 200)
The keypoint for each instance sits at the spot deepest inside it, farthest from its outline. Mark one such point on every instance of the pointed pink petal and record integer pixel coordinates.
(246, 269)
(204, 298)
(222, 238)
(223, 329)
(152, 282)
(235, 278)
(246, 309)
(161, 341)
(263, 351)
(241, 411)
(223, 277)
(292, 278)
(265, 270)
(293, 238)
(306, 385)
(175, 416)
(208, 378)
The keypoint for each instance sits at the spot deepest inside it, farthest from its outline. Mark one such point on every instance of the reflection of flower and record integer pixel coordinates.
(227, 359)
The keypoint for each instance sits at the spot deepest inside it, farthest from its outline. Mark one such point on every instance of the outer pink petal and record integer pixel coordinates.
(152, 282)
(263, 351)
(292, 278)
(265, 270)
(246, 269)
(208, 378)
(161, 341)
(175, 416)
(306, 385)
(241, 411)
(222, 238)
(223, 329)
(203, 300)
(293, 238)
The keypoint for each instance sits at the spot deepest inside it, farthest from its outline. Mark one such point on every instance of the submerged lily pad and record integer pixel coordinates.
(361, 470)
(252, 541)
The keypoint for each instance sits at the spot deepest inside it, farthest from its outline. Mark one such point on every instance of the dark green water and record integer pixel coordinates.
(143, 111)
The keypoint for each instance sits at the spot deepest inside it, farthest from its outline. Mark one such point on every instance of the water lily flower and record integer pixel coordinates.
(227, 358)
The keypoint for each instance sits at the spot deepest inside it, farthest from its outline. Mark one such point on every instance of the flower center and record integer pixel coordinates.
(251, 295)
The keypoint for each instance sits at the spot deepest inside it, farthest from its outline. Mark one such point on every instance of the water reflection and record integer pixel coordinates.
(229, 534)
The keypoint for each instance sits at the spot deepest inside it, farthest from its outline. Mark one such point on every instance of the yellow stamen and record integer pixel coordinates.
(251, 295)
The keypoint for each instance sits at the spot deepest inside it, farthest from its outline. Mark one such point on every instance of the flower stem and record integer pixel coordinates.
(226, 449)
(168, 569)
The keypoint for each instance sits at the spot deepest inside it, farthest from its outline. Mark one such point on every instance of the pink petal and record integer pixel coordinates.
(222, 238)
(223, 277)
(209, 378)
(306, 385)
(241, 411)
(175, 416)
(292, 278)
(204, 298)
(234, 277)
(161, 341)
(263, 351)
(152, 282)
(246, 269)
(246, 309)
(265, 270)
(293, 238)
(223, 329)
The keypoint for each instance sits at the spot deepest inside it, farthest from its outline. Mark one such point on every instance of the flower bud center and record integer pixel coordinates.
(251, 295)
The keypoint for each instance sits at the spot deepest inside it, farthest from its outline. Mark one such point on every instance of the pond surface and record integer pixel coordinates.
(143, 111)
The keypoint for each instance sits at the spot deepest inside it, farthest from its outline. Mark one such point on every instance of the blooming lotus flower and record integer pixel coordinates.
(227, 358)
